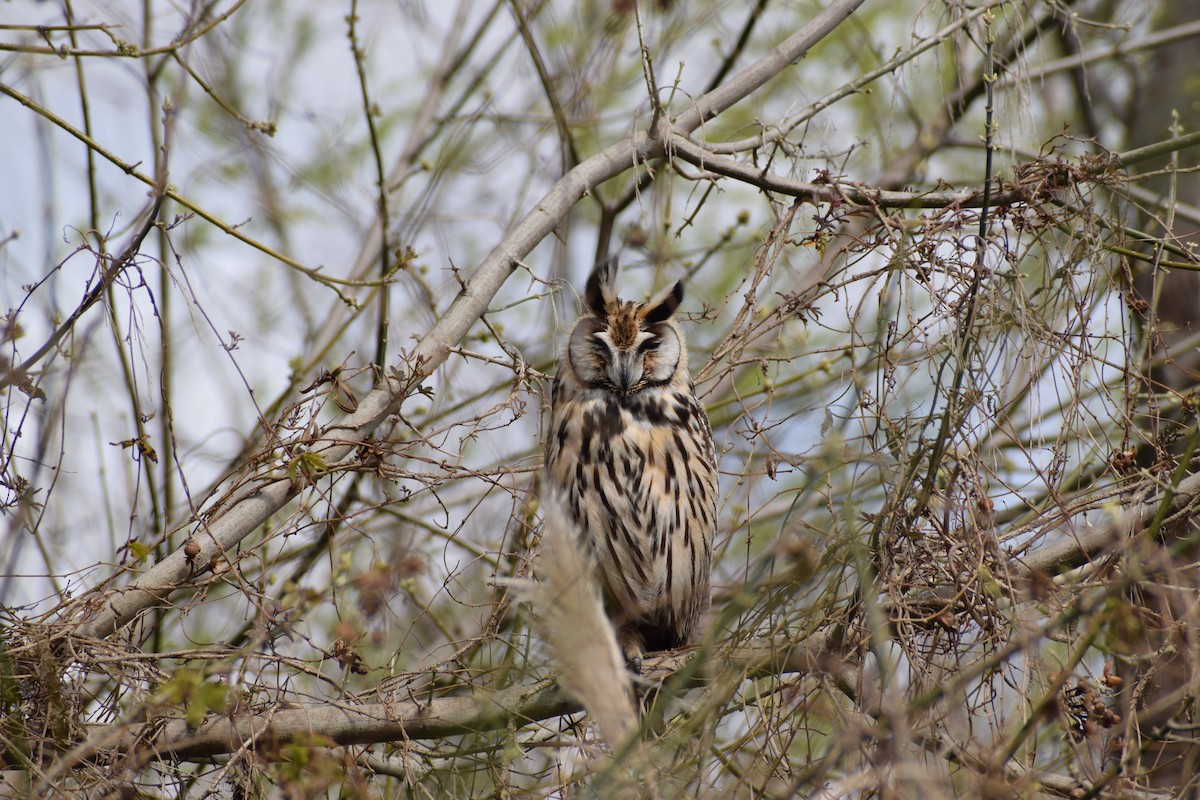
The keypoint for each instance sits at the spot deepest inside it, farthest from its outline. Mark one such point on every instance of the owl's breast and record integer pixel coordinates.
(645, 459)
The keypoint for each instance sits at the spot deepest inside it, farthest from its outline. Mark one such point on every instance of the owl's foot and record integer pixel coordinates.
(632, 650)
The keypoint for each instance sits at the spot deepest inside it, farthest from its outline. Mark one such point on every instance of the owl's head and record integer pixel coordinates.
(623, 346)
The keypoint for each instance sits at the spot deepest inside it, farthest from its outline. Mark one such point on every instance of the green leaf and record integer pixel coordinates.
(307, 466)
(140, 551)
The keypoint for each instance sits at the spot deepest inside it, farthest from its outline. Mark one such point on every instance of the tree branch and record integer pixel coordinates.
(400, 720)
(695, 153)
(251, 506)
(773, 63)
(108, 274)
(1093, 541)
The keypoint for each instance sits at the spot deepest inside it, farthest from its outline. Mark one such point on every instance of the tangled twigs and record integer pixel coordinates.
(108, 275)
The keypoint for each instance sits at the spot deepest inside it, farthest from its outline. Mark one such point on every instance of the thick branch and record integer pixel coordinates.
(225, 528)
(372, 723)
(773, 63)
(343, 724)
(1093, 541)
(253, 505)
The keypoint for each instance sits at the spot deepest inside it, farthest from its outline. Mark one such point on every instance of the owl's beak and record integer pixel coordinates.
(626, 371)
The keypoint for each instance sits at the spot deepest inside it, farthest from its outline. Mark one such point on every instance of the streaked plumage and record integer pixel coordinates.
(631, 452)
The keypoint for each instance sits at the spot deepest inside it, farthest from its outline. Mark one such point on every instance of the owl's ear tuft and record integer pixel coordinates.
(599, 292)
(664, 304)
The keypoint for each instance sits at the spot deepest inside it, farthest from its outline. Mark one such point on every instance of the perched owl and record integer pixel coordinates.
(630, 453)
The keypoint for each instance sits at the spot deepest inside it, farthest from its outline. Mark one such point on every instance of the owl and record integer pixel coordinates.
(630, 454)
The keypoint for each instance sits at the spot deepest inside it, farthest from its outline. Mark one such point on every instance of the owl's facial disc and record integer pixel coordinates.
(625, 365)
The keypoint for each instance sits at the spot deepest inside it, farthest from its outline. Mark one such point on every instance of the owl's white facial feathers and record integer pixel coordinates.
(625, 347)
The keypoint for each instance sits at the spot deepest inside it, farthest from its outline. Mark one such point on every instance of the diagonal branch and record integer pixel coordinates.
(1095, 541)
(767, 67)
(337, 444)
(107, 276)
